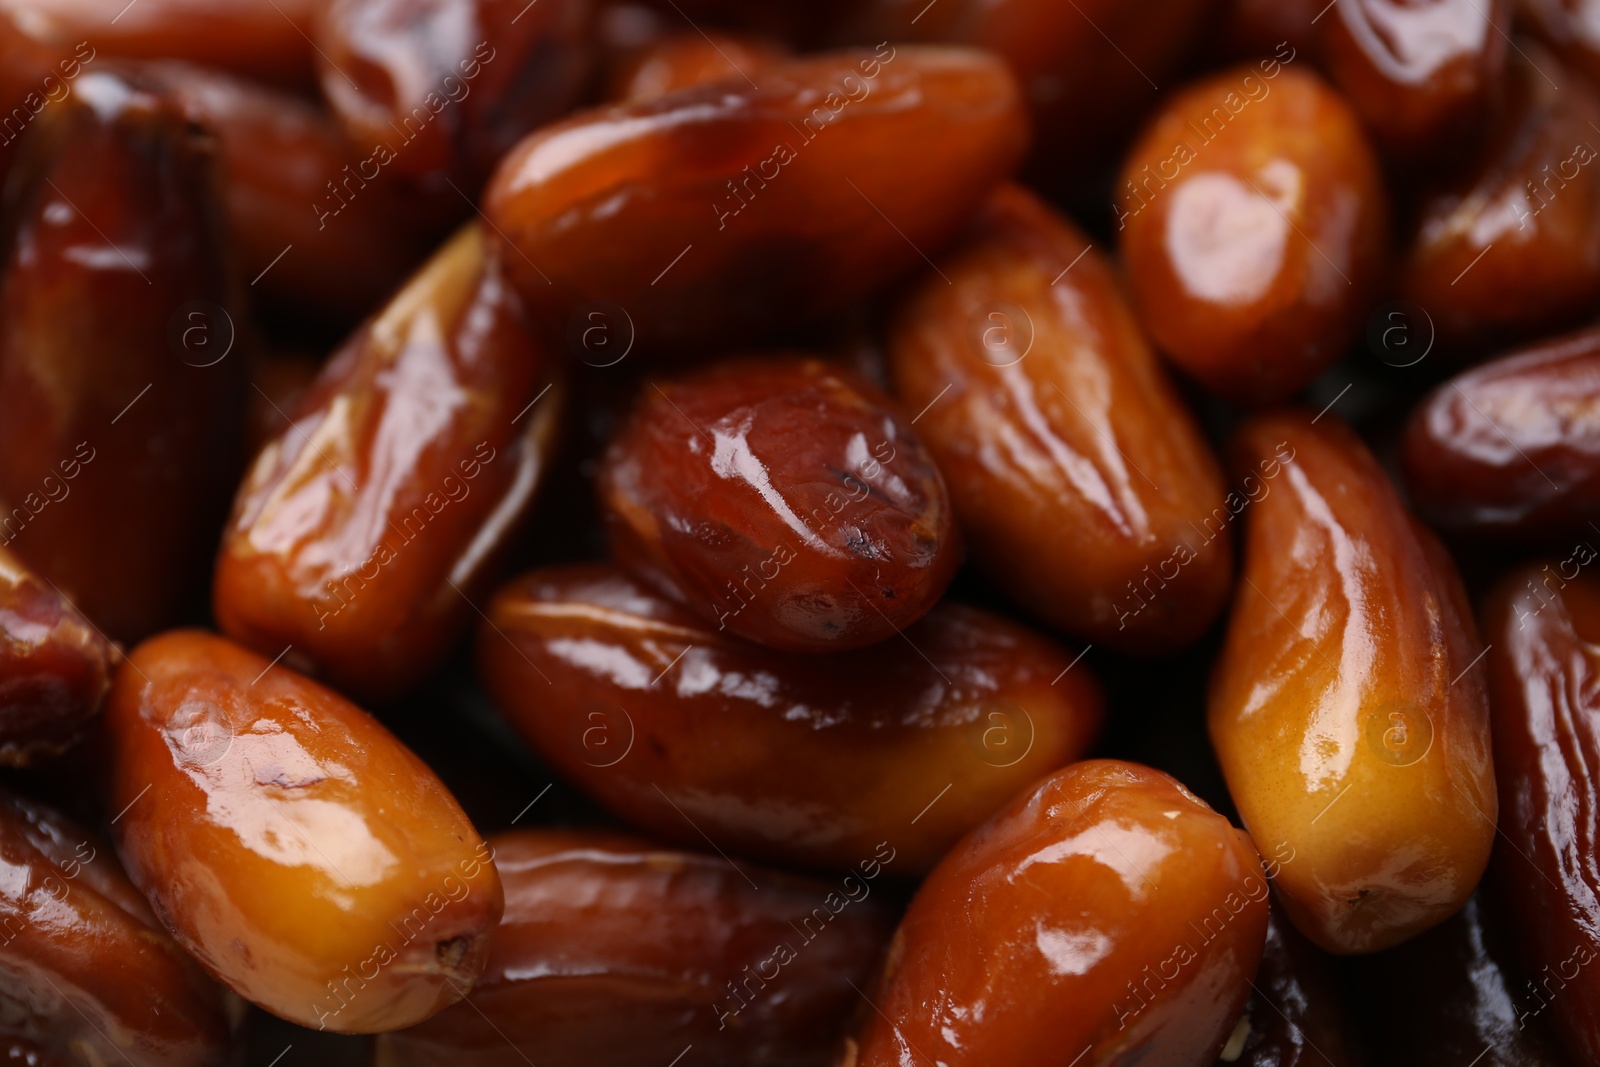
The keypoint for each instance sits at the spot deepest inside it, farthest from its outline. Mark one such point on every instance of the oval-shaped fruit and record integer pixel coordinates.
(680, 60)
(363, 528)
(1294, 1017)
(1106, 914)
(783, 500)
(1254, 226)
(796, 759)
(1510, 249)
(1083, 485)
(87, 976)
(1351, 667)
(55, 667)
(304, 856)
(749, 967)
(444, 88)
(722, 212)
(121, 386)
(1512, 448)
(1543, 625)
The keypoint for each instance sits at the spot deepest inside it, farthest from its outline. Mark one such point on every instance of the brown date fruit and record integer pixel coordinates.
(781, 499)
(1510, 249)
(1349, 668)
(1105, 917)
(615, 952)
(364, 527)
(290, 843)
(1543, 624)
(1570, 27)
(680, 60)
(1422, 75)
(87, 976)
(441, 89)
(121, 398)
(795, 759)
(1253, 28)
(1294, 1017)
(1083, 486)
(1254, 226)
(1511, 449)
(55, 667)
(720, 213)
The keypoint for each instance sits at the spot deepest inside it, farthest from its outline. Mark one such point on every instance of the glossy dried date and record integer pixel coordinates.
(304, 856)
(615, 952)
(680, 60)
(796, 759)
(1349, 669)
(1294, 1017)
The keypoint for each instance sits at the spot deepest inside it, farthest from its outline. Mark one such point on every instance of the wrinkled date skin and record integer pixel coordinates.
(1346, 669)
(1511, 449)
(615, 952)
(87, 977)
(782, 500)
(1106, 914)
(121, 402)
(1544, 659)
(1420, 75)
(1254, 227)
(444, 88)
(289, 842)
(1082, 483)
(1293, 1017)
(680, 60)
(363, 528)
(55, 668)
(720, 213)
(1512, 248)
(795, 759)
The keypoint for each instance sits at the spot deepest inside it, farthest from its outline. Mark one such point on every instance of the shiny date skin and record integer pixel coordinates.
(119, 417)
(87, 977)
(1511, 450)
(55, 668)
(1347, 669)
(680, 60)
(1510, 249)
(1543, 662)
(363, 527)
(1254, 226)
(1570, 27)
(1294, 1017)
(720, 213)
(1083, 486)
(448, 86)
(601, 928)
(790, 758)
(290, 843)
(1106, 914)
(781, 499)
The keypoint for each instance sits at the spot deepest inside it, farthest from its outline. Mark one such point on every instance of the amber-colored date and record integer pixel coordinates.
(289, 842)
(121, 380)
(1345, 708)
(1544, 659)
(1106, 914)
(1254, 225)
(723, 212)
(783, 500)
(1082, 483)
(796, 759)
(680, 60)
(87, 976)
(364, 526)
(615, 952)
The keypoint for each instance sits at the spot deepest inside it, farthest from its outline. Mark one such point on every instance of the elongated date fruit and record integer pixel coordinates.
(1106, 914)
(87, 976)
(783, 500)
(1083, 485)
(1511, 449)
(1543, 663)
(1351, 667)
(121, 387)
(792, 758)
(363, 528)
(290, 843)
(752, 968)
(721, 213)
